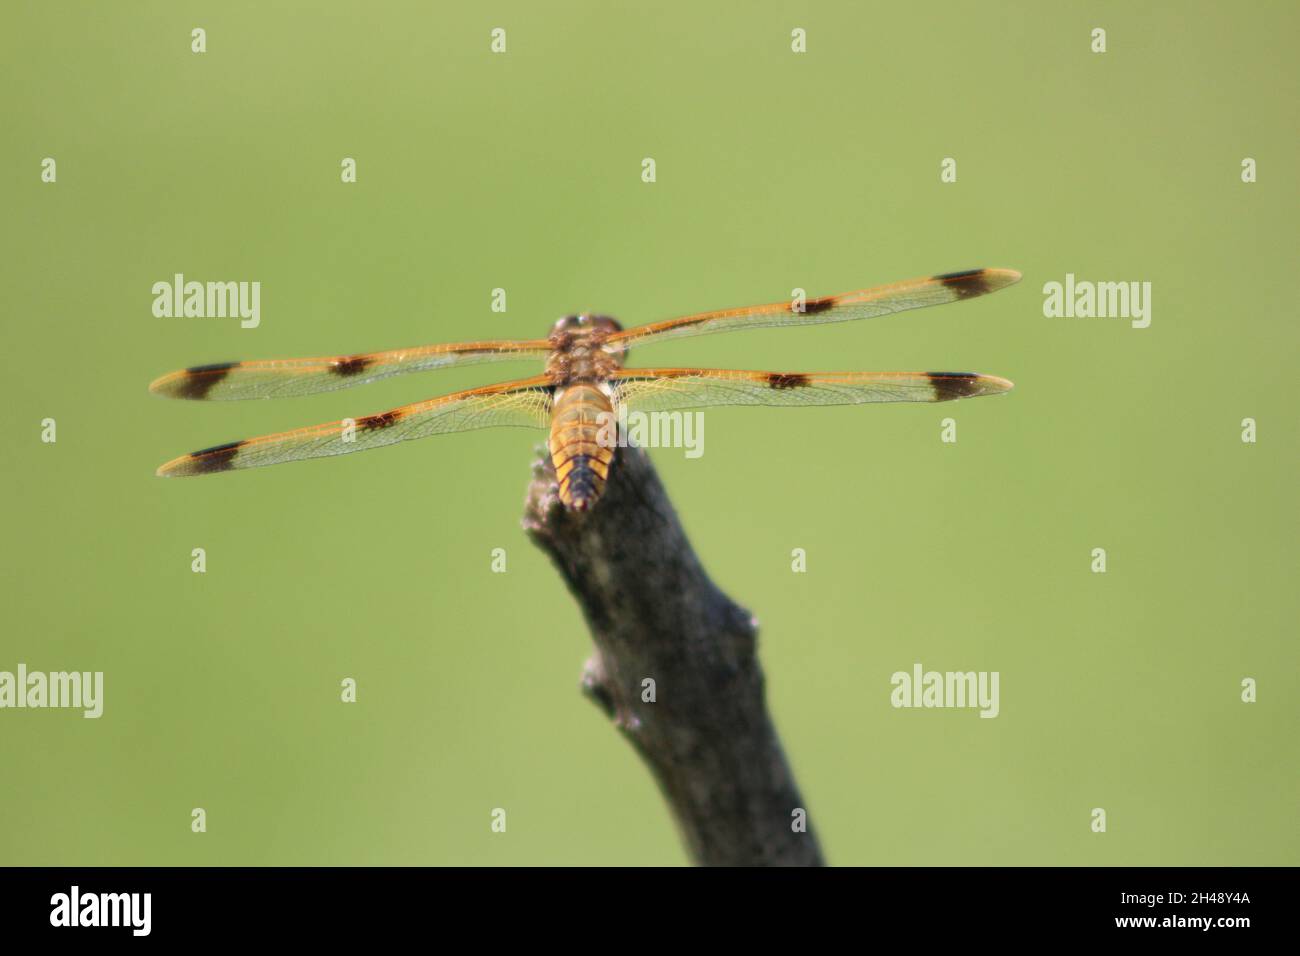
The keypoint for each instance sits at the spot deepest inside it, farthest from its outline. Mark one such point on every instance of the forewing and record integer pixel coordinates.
(865, 303)
(280, 378)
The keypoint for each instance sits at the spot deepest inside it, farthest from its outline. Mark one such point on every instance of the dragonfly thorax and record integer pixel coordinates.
(579, 352)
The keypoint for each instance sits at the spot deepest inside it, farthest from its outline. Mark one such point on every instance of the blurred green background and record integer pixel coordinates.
(775, 171)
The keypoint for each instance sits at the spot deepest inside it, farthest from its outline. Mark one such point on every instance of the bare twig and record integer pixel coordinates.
(702, 726)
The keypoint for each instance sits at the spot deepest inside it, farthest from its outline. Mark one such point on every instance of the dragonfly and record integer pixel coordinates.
(583, 384)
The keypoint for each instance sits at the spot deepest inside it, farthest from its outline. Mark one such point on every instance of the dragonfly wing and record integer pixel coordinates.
(280, 378)
(865, 303)
(668, 389)
(526, 402)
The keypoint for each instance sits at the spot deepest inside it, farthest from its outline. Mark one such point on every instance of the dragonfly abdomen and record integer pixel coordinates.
(580, 456)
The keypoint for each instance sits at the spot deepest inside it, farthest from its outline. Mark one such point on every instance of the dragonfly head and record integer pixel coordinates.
(585, 324)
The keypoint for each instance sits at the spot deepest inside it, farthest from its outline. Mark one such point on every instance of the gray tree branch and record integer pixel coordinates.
(653, 613)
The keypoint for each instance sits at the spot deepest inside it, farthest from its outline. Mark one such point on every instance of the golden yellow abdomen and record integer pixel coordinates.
(580, 451)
